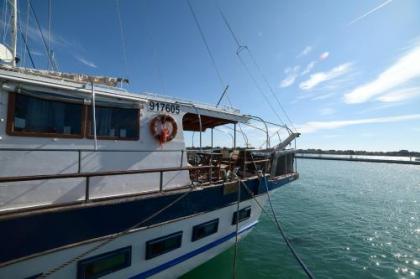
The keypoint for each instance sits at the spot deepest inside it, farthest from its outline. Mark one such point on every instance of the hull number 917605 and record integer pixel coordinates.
(164, 107)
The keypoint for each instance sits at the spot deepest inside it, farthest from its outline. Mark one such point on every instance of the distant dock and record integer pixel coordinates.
(356, 159)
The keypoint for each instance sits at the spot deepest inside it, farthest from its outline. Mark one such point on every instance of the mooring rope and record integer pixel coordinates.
(279, 227)
(113, 237)
(235, 255)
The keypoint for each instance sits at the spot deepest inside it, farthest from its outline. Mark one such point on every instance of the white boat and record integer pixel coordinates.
(98, 182)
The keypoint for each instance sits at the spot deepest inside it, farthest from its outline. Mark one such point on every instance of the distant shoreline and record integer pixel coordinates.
(370, 160)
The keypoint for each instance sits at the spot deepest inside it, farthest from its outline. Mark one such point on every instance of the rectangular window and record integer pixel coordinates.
(33, 116)
(241, 215)
(104, 264)
(205, 229)
(115, 123)
(162, 245)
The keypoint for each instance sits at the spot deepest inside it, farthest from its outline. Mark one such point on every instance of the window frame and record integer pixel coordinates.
(149, 254)
(236, 213)
(11, 109)
(82, 264)
(194, 236)
(88, 121)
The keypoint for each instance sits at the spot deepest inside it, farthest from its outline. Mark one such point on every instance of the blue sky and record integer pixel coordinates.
(347, 72)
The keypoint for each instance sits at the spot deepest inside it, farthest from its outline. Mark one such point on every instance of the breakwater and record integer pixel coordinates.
(358, 159)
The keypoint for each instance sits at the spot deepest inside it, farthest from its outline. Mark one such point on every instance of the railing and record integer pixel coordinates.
(80, 151)
(89, 175)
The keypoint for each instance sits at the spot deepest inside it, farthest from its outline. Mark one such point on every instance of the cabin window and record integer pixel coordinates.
(241, 215)
(104, 264)
(115, 123)
(205, 229)
(162, 245)
(32, 116)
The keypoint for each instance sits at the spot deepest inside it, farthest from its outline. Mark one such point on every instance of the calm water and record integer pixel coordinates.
(345, 219)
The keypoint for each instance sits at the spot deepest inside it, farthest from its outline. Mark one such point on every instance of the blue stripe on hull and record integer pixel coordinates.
(189, 255)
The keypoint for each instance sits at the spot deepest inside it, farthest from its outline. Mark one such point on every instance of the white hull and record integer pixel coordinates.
(170, 265)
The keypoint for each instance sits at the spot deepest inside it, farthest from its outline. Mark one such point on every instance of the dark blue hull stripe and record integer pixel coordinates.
(23, 236)
(189, 255)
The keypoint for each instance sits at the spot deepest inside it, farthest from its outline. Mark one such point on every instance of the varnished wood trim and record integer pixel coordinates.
(11, 123)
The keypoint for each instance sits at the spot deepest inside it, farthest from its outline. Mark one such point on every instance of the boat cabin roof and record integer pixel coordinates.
(80, 86)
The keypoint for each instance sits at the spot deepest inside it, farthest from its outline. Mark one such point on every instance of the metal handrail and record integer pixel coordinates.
(88, 175)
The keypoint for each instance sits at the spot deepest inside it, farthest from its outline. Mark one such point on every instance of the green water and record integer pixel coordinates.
(345, 219)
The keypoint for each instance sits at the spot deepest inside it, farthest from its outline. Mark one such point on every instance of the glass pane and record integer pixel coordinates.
(116, 122)
(103, 264)
(46, 116)
(203, 230)
(163, 245)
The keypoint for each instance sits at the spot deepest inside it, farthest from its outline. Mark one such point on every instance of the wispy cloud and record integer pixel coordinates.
(291, 75)
(308, 68)
(324, 55)
(369, 12)
(405, 69)
(400, 95)
(321, 77)
(327, 111)
(315, 126)
(86, 62)
(305, 51)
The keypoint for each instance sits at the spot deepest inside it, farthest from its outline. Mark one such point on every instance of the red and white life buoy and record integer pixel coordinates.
(163, 128)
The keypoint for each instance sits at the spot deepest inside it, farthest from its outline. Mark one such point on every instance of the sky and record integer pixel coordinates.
(346, 72)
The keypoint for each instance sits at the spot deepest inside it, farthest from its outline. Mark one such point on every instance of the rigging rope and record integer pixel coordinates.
(50, 65)
(5, 21)
(114, 236)
(26, 47)
(213, 61)
(42, 34)
(241, 47)
(123, 43)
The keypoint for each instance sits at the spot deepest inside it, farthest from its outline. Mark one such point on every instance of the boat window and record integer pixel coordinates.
(162, 245)
(104, 264)
(205, 229)
(241, 215)
(32, 116)
(115, 123)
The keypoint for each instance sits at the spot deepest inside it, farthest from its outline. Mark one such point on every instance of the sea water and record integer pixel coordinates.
(345, 220)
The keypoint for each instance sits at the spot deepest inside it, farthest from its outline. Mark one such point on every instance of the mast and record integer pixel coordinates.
(14, 31)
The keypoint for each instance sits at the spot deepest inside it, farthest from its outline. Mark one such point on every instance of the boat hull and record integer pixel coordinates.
(182, 216)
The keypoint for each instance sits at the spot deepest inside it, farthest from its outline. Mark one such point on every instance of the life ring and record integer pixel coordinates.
(163, 128)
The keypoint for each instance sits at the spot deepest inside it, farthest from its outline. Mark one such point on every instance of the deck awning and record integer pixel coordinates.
(191, 122)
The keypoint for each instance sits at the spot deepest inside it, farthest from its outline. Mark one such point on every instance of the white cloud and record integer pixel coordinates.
(305, 51)
(315, 126)
(327, 111)
(400, 95)
(324, 55)
(308, 68)
(320, 77)
(404, 70)
(86, 62)
(291, 75)
(369, 12)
